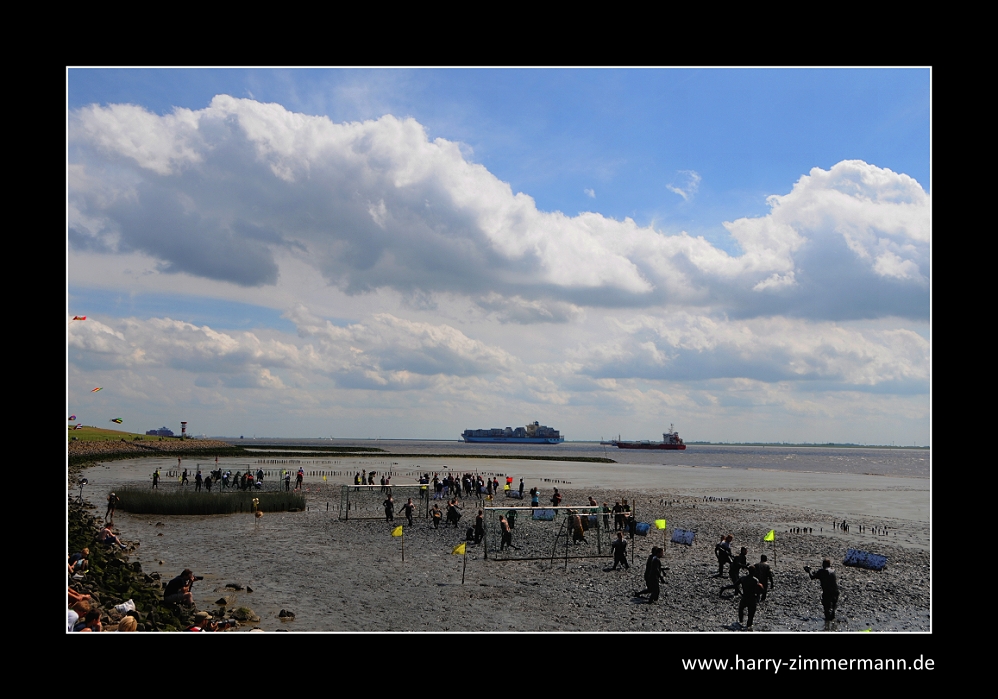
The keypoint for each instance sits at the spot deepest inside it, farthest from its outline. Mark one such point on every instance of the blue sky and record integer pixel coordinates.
(744, 253)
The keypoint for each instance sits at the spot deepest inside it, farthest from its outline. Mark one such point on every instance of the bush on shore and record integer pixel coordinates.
(189, 502)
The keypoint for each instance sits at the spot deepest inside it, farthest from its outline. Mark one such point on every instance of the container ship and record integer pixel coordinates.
(531, 434)
(670, 440)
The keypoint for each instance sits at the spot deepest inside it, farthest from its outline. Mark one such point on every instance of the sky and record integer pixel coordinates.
(409, 253)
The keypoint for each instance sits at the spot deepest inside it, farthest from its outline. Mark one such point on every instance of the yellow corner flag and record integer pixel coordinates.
(771, 536)
(323, 479)
(458, 550)
(397, 531)
(660, 524)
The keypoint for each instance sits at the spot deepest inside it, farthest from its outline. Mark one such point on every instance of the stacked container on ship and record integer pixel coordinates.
(535, 433)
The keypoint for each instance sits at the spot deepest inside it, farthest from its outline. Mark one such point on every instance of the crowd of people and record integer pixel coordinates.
(224, 479)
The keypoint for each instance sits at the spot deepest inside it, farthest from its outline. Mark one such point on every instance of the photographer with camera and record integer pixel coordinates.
(203, 621)
(178, 590)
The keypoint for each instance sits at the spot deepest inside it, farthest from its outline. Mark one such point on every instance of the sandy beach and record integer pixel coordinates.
(349, 575)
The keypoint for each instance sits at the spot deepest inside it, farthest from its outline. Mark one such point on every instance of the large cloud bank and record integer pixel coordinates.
(221, 191)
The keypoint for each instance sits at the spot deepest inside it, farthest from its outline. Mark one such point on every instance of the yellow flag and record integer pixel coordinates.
(323, 479)
(458, 550)
(397, 531)
(660, 524)
(771, 536)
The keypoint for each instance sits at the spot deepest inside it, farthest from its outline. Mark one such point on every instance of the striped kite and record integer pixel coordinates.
(78, 427)
(117, 420)
(99, 388)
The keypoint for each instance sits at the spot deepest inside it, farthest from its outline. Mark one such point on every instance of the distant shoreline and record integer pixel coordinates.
(795, 445)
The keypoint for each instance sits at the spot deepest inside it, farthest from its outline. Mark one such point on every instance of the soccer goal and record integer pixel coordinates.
(547, 533)
(368, 501)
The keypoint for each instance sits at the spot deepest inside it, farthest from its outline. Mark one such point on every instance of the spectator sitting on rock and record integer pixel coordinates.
(90, 623)
(107, 536)
(79, 609)
(78, 561)
(75, 596)
(128, 624)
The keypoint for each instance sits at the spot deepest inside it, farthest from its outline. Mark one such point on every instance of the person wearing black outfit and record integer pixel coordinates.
(389, 506)
(653, 575)
(765, 575)
(619, 552)
(750, 588)
(407, 510)
(479, 526)
(829, 589)
(453, 512)
(738, 564)
(722, 550)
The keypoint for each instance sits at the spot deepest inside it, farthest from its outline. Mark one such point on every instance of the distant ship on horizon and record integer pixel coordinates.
(670, 441)
(535, 433)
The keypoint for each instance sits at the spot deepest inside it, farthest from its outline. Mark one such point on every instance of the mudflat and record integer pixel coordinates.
(340, 575)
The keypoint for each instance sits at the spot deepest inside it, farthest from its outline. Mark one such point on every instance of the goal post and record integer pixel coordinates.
(367, 501)
(548, 533)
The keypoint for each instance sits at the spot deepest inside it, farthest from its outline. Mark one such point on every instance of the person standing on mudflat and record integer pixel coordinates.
(738, 564)
(479, 526)
(653, 575)
(765, 575)
(112, 502)
(619, 551)
(407, 510)
(750, 588)
(829, 590)
(389, 506)
(722, 550)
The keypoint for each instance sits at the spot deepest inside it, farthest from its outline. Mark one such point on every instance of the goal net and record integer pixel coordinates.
(368, 501)
(561, 532)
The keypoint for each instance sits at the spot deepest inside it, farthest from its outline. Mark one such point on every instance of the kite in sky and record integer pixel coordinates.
(117, 420)
(78, 318)
(72, 418)
(97, 389)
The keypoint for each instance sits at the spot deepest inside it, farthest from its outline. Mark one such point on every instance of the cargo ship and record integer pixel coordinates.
(531, 434)
(670, 440)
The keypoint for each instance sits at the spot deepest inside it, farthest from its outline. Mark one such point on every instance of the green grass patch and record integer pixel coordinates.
(100, 434)
(146, 501)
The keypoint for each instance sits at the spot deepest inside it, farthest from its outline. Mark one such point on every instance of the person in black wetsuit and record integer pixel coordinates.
(750, 588)
(653, 575)
(738, 564)
(407, 510)
(479, 526)
(389, 506)
(722, 550)
(829, 589)
(765, 575)
(619, 551)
